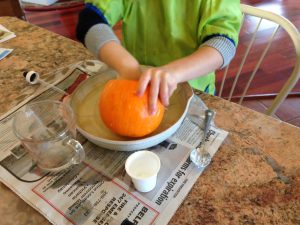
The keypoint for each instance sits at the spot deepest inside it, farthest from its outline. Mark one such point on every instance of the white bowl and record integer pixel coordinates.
(84, 102)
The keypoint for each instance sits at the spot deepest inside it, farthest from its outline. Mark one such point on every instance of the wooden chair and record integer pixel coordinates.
(248, 49)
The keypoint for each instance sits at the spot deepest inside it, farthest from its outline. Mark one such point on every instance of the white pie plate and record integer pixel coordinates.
(84, 102)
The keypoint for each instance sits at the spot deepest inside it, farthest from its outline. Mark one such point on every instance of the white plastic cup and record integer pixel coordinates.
(143, 167)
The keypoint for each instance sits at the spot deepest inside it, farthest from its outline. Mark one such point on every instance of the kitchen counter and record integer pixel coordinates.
(34, 49)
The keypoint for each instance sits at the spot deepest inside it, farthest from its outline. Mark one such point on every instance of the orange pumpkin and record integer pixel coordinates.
(124, 112)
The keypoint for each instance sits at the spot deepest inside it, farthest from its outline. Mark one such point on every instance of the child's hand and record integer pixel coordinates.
(162, 84)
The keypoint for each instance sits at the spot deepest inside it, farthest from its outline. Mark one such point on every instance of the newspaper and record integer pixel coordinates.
(5, 34)
(98, 191)
(5, 52)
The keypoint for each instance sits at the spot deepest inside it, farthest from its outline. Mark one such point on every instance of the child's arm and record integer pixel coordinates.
(95, 33)
(118, 58)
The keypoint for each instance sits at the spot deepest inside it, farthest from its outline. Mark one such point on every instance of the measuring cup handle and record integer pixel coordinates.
(79, 151)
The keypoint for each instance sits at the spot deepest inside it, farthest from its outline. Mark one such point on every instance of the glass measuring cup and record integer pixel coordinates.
(47, 130)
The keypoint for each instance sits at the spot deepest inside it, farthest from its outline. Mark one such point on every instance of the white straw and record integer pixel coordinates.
(52, 86)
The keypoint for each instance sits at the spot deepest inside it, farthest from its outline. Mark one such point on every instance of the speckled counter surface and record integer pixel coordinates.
(34, 49)
(254, 178)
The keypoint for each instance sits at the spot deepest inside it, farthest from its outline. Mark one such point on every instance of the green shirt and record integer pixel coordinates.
(157, 32)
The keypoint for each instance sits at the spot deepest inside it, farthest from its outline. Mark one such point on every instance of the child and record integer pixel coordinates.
(183, 40)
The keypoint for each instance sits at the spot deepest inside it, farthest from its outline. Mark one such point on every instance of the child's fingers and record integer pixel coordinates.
(154, 90)
(143, 82)
(164, 92)
(171, 89)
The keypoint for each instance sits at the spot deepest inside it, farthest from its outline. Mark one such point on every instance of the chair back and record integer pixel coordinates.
(254, 47)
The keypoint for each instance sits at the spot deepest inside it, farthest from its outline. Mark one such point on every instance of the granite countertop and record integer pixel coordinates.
(34, 49)
(254, 178)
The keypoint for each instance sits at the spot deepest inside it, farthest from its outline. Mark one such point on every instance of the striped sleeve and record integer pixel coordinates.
(224, 45)
(93, 29)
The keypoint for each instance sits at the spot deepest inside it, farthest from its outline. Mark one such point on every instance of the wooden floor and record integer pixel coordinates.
(63, 22)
